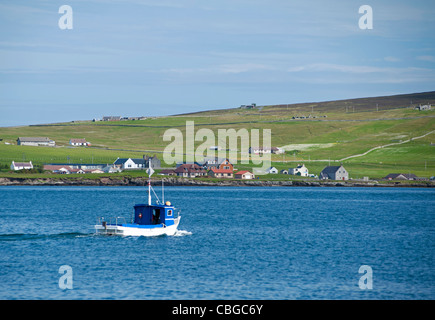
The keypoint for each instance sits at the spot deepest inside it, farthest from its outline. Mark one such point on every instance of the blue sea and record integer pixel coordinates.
(232, 243)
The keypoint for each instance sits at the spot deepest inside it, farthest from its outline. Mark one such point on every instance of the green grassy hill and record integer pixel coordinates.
(329, 132)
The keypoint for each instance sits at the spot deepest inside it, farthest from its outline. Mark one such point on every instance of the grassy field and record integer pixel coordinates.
(336, 130)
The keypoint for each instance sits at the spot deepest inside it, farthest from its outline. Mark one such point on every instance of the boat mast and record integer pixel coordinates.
(150, 171)
(149, 191)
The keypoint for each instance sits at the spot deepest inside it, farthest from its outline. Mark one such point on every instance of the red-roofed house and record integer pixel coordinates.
(63, 169)
(167, 172)
(220, 173)
(245, 175)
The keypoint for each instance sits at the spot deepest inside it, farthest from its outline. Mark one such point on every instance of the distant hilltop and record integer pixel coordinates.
(421, 101)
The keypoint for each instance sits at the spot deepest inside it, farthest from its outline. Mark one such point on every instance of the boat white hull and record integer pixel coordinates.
(137, 231)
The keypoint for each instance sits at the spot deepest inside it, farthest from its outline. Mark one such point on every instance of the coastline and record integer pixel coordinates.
(169, 181)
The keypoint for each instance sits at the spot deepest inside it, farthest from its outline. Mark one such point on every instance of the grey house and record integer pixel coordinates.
(334, 173)
(155, 162)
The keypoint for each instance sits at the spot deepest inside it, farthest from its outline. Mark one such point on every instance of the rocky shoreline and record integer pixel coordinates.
(170, 181)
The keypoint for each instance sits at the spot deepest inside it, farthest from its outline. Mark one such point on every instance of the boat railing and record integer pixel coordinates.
(112, 220)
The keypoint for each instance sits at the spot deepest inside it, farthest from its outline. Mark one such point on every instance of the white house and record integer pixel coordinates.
(139, 163)
(97, 171)
(78, 171)
(63, 170)
(272, 170)
(260, 150)
(265, 150)
(300, 170)
(21, 165)
(215, 148)
(129, 163)
(425, 107)
(111, 169)
(277, 150)
(78, 142)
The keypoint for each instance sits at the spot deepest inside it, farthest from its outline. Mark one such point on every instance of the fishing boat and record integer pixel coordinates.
(149, 220)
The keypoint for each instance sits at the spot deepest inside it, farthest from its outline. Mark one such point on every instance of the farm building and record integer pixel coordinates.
(35, 141)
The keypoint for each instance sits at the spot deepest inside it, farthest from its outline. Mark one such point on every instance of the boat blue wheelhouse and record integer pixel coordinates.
(151, 215)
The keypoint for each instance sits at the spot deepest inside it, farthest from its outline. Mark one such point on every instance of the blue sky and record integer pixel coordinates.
(161, 57)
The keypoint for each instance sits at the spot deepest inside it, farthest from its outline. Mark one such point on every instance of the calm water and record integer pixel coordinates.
(234, 243)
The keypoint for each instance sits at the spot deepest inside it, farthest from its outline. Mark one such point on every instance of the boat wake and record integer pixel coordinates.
(65, 235)
(182, 233)
(35, 236)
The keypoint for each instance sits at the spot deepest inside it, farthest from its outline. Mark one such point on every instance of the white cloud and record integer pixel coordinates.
(222, 69)
(319, 67)
(297, 69)
(242, 68)
(148, 3)
(391, 59)
(325, 73)
(426, 58)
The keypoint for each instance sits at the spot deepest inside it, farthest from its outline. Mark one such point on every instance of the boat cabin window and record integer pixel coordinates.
(169, 213)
